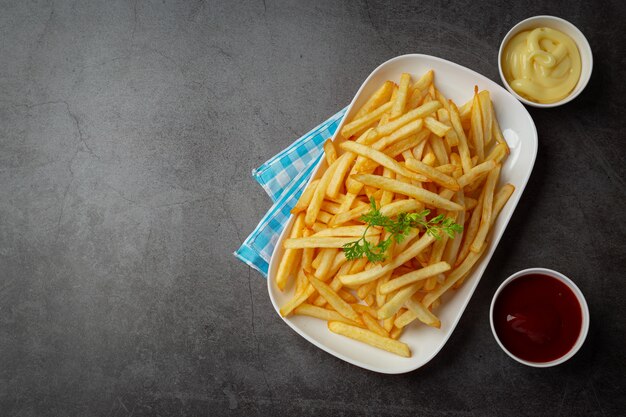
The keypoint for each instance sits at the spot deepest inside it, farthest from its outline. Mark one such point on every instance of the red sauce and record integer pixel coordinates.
(537, 318)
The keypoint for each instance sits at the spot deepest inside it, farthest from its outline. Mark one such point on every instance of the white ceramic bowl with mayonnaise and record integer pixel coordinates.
(566, 28)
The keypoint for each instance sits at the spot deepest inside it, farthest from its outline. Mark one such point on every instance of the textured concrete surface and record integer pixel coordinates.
(127, 134)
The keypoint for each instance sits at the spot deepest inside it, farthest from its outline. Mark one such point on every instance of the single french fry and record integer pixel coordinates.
(398, 299)
(452, 247)
(355, 126)
(416, 98)
(372, 324)
(330, 207)
(487, 116)
(380, 97)
(424, 81)
(330, 152)
(335, 283)
(354, 213)
(497, 133)
(432, 174)
(464, 152)
(362, 308)
(400, 102)
(316, 242)
(417, 193)
(291, 256)
(422, 313)
(296, 301)
(380, 297)
(471, 230)
(387, 197)
(318, 197)
(447, 169)
(327, 259)
(324, 217)
(365, 289)
(477, 129)
(305, 198)
(346, 295)
(348, 231)
(343, 165)
(332, 298)
(500, 199)
(306, 309)
(469, 177)
(414, 276)
(439, 149)
(370, 338)
(396, 333)
(435, 126)
(381, 159)
(485, 220)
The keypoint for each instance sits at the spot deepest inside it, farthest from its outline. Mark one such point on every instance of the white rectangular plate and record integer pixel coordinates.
(455, 82)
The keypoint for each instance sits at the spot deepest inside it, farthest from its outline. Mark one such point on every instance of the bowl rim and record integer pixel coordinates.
(584, 327)
(581, 46)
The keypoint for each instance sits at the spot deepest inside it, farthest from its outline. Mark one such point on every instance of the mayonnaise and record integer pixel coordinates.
(542, 65)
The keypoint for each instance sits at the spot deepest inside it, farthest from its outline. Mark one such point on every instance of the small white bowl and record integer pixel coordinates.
(567, 28)
(584, 327)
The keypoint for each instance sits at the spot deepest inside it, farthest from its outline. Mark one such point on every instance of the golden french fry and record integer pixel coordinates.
(447, 169)
(324, 217)
(291, 256)
(387, 197)
(335, 283)
(399, 187)
(400, 102)
(464, 152)
(333, 298)
(380, 97)
(471, 230)
(477, 129)
(414, 276)
(372, 324)
(330, 152)
(318, 196)
(487, 116)
(500, 199)
(452, 247)
(343, 165)
(371, 338)
(397, 300)
(296, 301)
(330, 207)
(497, 133)
(361, 123)
(327, 259)
(435, 126)
(486, 220)
(348, 231)
(396, 333)
(362, 308)
(316, 242)
(381, 159)
(355, 213)
(424, 82)
(422, 313)
(306, 309)
(439, 149)
(469, 177)
(433, 174)
(305, 198)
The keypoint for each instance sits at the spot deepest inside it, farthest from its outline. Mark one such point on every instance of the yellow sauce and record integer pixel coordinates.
(542, 65)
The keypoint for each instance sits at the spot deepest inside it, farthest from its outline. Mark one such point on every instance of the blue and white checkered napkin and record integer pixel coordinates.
(283, 177)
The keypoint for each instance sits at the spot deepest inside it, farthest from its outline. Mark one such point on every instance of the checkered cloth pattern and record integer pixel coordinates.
(284, 177)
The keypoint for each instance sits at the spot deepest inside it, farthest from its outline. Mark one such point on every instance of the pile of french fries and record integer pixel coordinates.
(409, 148)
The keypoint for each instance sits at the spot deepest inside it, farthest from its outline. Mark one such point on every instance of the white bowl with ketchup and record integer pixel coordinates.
(545, 61)
(539, 317)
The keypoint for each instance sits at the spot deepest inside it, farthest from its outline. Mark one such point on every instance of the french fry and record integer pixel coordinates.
(296, 301)
(305, 198)
(412, 115)
(422, 313)
(477, 129)
(464, 152)
(316, 242)
(435, 126)
(469, 177)
(471, 230)
(414, 276)
(363, 122)
(380, 97)
(400, 102)
(396, 333)
(335, 283)
(432, 174)
(306, 309)
(327, 259)
(381, 159)
(330, 152)
(452, 247)
(500, 199)
(332, 298)
(362, 308)
(290, 257)
(370, 338)
(485, 220)
(348, 231)
(318, 196)
(342, 167)
(399, 187)
(496, 132)
(397, 300)
(373, 325)
(424, 81)
(487, 116)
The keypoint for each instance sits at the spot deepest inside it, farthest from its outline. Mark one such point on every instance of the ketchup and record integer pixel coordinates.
(537, 318)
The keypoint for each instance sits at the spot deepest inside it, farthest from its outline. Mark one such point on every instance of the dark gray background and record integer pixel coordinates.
(127, 134)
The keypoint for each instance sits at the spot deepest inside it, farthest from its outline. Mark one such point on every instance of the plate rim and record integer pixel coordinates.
(488, 255)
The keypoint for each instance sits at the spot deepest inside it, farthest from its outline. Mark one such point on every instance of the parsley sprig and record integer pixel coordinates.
(398, 229)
